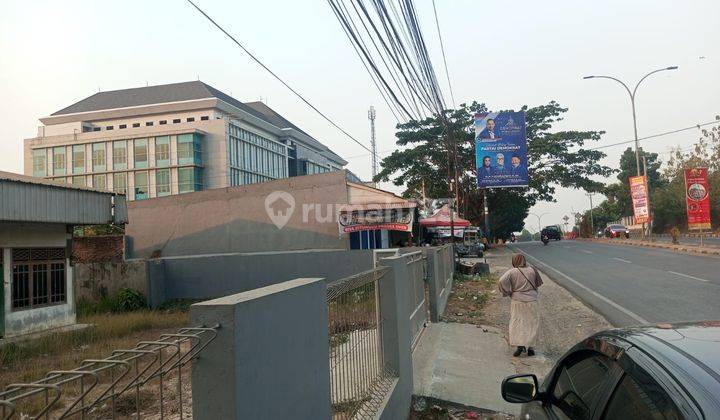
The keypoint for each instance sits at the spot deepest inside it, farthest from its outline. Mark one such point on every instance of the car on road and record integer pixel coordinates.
(616, 231)
(552, 232)
(666, 371)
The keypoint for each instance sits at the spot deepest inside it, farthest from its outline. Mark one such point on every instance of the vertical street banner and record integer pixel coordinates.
(640, 200)
(697, 198)
(501, 150)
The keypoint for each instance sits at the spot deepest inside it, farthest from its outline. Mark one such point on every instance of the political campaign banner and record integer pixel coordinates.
(501, 150)
(641, 203)
(697, 198)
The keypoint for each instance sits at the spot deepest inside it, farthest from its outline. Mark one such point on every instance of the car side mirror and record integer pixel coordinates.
(519, 388)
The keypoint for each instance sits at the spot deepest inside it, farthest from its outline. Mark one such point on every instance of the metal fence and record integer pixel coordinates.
(417, 294)
(359, 379)
(148, 381)
(443, 281)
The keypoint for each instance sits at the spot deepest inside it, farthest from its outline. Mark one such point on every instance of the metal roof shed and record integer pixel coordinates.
(29, 199)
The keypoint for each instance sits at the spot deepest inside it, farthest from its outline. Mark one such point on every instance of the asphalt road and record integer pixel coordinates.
(632, 285)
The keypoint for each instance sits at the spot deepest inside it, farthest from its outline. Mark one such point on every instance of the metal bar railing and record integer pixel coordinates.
(153, 365)
(358, 377)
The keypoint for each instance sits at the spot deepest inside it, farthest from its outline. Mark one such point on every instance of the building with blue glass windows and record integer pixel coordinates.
(171, 139)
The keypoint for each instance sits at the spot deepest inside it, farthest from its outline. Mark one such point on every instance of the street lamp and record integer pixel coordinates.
(632, 102)
(539, 217)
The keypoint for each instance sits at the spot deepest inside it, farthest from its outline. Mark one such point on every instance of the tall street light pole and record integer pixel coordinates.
(632, 102)
(539, 218)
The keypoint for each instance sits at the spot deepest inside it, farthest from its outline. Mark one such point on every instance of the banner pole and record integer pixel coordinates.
(487, 215)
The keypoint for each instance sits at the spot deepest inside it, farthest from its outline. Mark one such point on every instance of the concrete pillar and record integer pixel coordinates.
(396, 334)
(271, 358)
(434, 273)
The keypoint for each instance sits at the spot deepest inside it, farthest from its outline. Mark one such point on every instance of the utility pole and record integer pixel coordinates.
(373, 146)
(592, 222)
(650, 209)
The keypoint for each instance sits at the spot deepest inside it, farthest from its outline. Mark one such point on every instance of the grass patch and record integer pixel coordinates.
(468, 298)
(29, 360)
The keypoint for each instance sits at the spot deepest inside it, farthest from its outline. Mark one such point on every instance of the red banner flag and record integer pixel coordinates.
(698, 198)
(640, 200)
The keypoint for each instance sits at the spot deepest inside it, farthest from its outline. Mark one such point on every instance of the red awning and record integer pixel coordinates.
(442, 218)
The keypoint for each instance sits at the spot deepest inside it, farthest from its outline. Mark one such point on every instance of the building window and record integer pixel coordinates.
(162, 151)
(98, 157)
(136, 125)
(78, 181)
(176, 121)
(96, 128)
(141, 185)
(99, 182)
(39, 158)
(120, 154)
(109, 127)
(191, 119)
(188, 149)
(140, 147)
(163, 122)
(204, 118)
(120, 183)
(38, 277)
(78, 158)
(162, 182)
(59, 160)
(189, 180)
(121, 126)
(148, 124)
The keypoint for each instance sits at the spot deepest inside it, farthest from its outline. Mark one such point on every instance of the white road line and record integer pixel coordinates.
(586, 251)
(627, 312)
(620, 259)
(688, 276)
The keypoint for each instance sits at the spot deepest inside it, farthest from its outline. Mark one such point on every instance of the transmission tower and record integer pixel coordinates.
(373, 146)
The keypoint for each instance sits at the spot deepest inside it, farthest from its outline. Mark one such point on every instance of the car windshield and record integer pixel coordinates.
(617, 227)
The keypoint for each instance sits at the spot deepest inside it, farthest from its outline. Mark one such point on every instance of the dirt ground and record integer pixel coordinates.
(564, 320)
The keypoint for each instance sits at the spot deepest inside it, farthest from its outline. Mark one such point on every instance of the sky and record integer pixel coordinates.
(53, 54)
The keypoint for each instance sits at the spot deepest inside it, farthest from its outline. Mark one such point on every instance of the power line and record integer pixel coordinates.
(442, 48)
(655, 135)
(278, 77)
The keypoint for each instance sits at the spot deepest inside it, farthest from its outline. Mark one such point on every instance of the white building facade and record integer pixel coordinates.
(171, 139)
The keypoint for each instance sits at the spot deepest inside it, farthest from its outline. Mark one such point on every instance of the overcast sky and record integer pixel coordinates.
(53, 54)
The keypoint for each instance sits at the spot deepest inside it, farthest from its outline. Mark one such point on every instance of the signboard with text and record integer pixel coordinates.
(376, 219)
(640, 200)
(697, 198)
(501, 150)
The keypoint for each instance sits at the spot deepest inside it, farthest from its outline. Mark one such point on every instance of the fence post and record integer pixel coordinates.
(271, 358)
(435, 272)
(396, 334)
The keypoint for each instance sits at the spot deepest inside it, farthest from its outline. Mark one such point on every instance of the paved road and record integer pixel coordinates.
(632, 285)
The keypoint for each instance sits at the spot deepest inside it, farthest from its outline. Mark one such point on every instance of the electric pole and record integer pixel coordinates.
(592, 222)
(373, 146)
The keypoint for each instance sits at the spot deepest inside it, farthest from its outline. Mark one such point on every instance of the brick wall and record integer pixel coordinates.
(91, 249)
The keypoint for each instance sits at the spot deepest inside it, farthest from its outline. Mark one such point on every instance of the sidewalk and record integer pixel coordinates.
(466, 363)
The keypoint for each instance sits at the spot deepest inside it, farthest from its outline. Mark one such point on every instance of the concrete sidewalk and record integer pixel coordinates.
(464, 364)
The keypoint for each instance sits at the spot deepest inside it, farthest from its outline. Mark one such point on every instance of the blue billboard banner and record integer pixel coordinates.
(501, 150)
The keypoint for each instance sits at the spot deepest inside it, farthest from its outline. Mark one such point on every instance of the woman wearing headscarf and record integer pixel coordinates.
(521, 284)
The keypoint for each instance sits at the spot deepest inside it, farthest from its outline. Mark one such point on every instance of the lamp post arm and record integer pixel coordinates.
(645, 77)
(631, 93)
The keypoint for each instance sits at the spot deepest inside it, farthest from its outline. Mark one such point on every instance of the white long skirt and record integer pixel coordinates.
(524, 323)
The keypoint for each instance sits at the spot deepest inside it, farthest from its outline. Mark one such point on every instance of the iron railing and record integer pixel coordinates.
(359, 378)
(145, 381)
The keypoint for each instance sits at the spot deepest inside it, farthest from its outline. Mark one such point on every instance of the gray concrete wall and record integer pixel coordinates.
(270, 359)
(236, 219)
(94, 280)
(211, 276)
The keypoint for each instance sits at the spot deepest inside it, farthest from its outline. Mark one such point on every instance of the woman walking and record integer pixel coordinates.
(521, 284)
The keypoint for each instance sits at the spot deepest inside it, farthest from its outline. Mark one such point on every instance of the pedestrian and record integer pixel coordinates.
(521, 284)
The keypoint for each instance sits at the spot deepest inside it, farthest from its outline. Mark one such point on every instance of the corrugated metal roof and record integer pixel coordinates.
(29, 199)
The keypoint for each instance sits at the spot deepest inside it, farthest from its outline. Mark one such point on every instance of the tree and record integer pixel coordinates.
(554, 158)
(620, 192)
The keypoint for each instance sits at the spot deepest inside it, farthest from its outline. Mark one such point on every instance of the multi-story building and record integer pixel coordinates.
(170, 139)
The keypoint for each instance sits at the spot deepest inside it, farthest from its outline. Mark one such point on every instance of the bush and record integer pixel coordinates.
(126, 300)
(130, 300)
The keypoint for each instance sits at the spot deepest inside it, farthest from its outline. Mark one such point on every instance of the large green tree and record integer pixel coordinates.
(555, 158)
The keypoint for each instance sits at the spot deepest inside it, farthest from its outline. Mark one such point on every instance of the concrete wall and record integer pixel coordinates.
(270, 359)
(92, 249)
(440, 269)
(237, 219)
(211, 276)
(28, 235)
(94, 280)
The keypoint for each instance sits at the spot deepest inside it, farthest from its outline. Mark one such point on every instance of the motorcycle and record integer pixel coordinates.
(545, 239)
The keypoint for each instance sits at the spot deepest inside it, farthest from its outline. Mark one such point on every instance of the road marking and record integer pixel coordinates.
(627, 312)
(620, 259)
(586, 251)
(688, 276)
